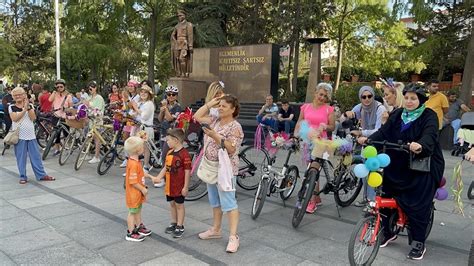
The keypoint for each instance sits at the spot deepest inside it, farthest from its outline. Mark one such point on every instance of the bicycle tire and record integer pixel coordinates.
(197, 189)
(289, 179)
(345, 180)
(106, 161)
(41, 136)
(259, 198)
(304, 196)
(469, 191)
(367, 224)
(83, 152)
(67, 149)
(49, 145)
(251, 181)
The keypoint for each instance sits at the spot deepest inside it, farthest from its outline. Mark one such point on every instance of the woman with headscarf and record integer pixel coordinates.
(416, 126)
(370, 113)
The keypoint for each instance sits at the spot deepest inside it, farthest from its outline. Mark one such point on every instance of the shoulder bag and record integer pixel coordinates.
(13, 136)
(420, 164)
(207, 170)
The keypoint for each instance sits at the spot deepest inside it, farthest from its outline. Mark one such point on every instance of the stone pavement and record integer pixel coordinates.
(80, 219)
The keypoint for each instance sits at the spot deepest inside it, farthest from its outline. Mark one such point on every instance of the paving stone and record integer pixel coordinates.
(23, 191)
(66, 254)
(5, 260)
(246, 223)
(113, 206)
(80, 189)
(100, 236)
(283, 217)
(127, 253)
(256, 254)
(31, 202)
(321, 251)
(31, 240)
(192, 228)
(77, 221)
(278, 236)
(10, 211)
(100, 196)
(174, 258)
(329, 229)
(13, 226)
(55, 210)
(63, 182)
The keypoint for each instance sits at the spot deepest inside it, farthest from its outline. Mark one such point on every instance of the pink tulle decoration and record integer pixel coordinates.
(257, 143)
(196, 162)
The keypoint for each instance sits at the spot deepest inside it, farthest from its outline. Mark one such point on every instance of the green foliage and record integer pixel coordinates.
(297, 95)
(347, 96)
(7, 56)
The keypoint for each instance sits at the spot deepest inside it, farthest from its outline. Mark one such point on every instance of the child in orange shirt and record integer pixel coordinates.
(177, 171)
(135, 190)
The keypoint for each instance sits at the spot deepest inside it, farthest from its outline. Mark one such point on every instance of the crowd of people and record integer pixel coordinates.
(406, 113)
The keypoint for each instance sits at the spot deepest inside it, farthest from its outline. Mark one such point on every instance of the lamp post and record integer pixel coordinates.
(315, 66)
(58, 57)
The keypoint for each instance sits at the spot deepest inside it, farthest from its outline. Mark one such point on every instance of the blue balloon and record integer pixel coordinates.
(304, 130)
(372, 164)
(384, 159)
(361, 171)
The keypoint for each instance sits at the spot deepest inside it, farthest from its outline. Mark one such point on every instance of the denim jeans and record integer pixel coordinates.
(268, 122)
(29, 148)
(456, 124)
(286, 125)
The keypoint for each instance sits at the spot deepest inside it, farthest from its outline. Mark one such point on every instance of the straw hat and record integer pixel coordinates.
(147, 89)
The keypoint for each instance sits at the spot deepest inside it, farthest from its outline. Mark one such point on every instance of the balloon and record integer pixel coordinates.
(384, 159)
(374, 180)
(441, 194)
(361, 171)
(372, 164)
(304, 130)
(443, 182)
(369, 152)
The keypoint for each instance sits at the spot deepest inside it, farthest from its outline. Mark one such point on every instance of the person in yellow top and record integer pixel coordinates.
(437, 101)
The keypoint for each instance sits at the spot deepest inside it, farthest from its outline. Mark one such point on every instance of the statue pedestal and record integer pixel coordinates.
(190, 90)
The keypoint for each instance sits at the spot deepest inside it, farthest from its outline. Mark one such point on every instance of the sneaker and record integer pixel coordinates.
(361, 203)
(134, 236)
(387, 239)
(158, 185)
(178, 232)
(233, 244)
(318, 201)
(417, 251)
(210, 234)
(311, 208)
(170, 229)
(142, 230)
(124, 164)
(124, 174)
(94, 160)
(56, 152)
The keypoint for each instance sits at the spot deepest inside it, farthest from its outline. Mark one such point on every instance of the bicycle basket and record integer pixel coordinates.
(73, 123)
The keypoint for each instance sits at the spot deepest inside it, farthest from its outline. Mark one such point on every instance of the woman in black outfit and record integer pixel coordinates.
(414, 190)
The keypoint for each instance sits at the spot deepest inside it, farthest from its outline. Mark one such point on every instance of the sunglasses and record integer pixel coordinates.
(363, 97)
(57, 87)
(172, 94)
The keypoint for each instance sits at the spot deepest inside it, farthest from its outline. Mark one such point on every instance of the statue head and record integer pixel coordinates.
(181, 15)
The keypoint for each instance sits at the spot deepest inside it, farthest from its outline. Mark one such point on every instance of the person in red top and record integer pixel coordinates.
(177, 171)
(45, 105)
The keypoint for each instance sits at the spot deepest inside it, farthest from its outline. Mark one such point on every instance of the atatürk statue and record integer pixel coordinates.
(182, 46)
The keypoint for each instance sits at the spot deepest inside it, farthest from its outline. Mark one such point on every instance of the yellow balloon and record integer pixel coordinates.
(374, 180)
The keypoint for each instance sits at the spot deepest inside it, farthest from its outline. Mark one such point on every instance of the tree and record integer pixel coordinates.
(7, 56)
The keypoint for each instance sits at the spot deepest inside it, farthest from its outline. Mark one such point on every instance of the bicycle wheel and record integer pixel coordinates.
(469, 191)
(260, 196)
(83, 153)
(252, 161)
(68, 148)
(364, 243)
(50, 144)
(347, 186)
(197, 188)
(41, 136)
(289, 182)
(304, 195)
(106, 161)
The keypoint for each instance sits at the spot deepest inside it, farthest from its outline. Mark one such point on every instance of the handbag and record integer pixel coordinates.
(13, 136)
(420, 164)
(207, 170)
(225, 174)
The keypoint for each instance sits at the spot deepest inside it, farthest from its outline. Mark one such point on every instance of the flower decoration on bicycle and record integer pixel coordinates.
(184, 119)
(276, 141)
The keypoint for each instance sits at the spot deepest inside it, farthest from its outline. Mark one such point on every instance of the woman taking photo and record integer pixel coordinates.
(225, 132)
(416, 126)
(22, 114)
(96, 103)
(320, 117)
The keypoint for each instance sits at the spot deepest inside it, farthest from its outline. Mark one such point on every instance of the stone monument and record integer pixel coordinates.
(315, 66)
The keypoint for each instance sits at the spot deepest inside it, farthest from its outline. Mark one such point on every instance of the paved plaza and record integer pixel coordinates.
(80, 219)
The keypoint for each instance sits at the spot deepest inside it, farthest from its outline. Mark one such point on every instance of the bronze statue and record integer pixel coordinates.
(182, 46)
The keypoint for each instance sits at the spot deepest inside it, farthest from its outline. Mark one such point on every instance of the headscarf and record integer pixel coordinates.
(409, 116)
(368, 113)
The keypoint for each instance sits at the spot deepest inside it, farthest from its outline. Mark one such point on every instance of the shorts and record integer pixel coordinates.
(135, 210)
(178, 199)
(225, 199)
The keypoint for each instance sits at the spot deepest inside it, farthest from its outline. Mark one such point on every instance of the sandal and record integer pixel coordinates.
(210, 234)
(23, 181)
(47, 178)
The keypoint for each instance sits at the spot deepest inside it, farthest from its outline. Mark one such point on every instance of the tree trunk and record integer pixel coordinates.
(152, 46)
(340, 43)
(468, 76)
(294, 82)
(290, 60)
(442, 67)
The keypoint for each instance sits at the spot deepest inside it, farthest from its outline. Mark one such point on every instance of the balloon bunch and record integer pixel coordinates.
(372, 163)
(441, 192)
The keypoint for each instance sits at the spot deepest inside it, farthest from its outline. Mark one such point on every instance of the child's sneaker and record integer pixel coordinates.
(311, 206)
(178, 232)
(170, 229)
(142, 230)
(418, 251)
(134, 236)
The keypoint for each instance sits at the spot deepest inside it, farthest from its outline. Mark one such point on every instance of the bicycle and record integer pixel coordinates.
(366, 233)
(43, 128)
(342, 180)
(100, 135)
(272, 181)
(57, 129)
(115, 151)
(73, 140)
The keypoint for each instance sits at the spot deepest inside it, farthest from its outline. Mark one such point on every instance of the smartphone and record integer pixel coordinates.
(205, 126)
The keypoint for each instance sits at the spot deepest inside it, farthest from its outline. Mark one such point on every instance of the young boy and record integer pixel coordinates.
(135, 190)
(176, 171)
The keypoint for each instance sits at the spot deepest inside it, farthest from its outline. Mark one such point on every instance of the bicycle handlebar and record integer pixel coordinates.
(387, 144)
